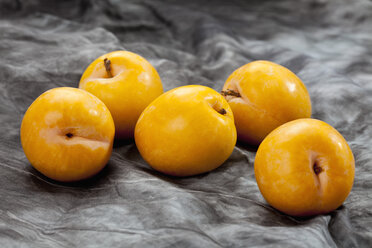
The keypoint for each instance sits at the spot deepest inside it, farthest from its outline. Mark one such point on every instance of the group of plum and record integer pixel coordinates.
(303, 166)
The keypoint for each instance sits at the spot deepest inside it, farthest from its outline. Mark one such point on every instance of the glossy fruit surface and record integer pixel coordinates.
(126, 83)
(186, 131)
(67, 134)
(304, 167)
(264, 95)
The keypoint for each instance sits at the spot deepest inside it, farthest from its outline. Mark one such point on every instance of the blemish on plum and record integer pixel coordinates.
(69, 135)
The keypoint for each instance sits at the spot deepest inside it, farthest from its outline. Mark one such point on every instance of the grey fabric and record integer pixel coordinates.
(46, 44)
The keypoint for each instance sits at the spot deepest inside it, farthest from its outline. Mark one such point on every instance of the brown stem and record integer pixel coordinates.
(317, 169)
(69, 135)
(108, 67)
(229, 92)
(222, 111)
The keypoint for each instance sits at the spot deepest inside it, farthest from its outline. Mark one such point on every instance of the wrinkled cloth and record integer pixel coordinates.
(46, 44)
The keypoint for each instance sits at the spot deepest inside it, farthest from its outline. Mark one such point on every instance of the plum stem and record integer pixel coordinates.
(107, 63)
(222, 111)
(229, 92)
(317, 169)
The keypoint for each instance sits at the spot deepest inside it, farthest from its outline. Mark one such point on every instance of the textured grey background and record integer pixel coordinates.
(46, 44)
